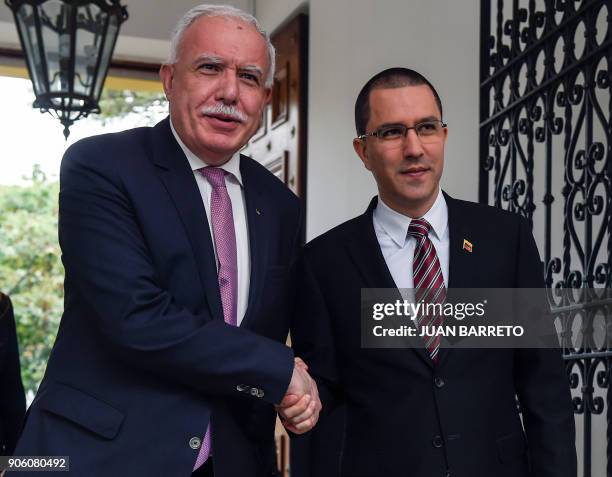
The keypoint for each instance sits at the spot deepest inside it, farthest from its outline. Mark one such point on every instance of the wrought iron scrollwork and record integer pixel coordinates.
(545, 153)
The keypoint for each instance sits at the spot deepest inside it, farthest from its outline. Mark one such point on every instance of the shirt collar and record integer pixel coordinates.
(232, 166)
(396, 224)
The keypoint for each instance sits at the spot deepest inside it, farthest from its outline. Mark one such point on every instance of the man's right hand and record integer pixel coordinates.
(299, 410)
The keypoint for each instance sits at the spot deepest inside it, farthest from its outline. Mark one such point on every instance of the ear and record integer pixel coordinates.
(445, 135)
(267, 95)
(166, 74)
(361, 149)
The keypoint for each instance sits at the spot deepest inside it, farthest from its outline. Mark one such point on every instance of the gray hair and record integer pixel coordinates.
(226, 11)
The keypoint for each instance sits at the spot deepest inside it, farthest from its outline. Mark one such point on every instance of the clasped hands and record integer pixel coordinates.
(299, 410)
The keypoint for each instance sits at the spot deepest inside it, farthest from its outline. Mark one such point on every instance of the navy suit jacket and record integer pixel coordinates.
(143, 359)
(405, 416)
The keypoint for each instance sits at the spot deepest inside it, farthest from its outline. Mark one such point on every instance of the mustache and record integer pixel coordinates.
(226, 110)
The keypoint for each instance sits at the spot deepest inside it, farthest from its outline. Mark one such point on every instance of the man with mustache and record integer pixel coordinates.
(426, 411)
(179, 257)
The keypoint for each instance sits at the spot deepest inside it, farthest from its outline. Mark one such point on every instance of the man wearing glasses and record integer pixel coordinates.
(426, 412)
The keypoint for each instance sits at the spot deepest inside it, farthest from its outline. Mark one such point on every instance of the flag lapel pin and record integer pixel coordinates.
(467, 245)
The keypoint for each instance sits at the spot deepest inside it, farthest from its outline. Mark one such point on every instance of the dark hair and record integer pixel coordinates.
(389, 78)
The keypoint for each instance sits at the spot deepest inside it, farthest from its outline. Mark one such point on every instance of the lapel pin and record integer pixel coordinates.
(467, 245)
(258, 211)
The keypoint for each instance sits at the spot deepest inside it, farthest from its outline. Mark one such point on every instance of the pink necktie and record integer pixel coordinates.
(428, 280)
(222, 220)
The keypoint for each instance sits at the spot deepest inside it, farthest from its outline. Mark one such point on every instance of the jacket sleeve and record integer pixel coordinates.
(542, 385)
(12, 397)
(107, 260)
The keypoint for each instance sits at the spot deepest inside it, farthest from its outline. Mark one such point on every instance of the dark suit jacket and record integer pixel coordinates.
(12, 396)
(406, 417)
(143, 358)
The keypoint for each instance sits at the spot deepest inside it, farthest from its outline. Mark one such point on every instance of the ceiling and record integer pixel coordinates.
(151, 18)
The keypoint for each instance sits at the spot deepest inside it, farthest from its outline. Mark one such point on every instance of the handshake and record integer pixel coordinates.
(299, 410)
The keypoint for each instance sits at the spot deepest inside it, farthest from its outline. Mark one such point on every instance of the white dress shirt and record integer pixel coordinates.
(397, 246)
(235, 189)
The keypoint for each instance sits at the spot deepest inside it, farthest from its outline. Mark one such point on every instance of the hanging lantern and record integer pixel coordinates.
(68, 45)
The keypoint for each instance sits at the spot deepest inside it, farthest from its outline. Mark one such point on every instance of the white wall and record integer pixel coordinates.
(273, 13)
(350, 41)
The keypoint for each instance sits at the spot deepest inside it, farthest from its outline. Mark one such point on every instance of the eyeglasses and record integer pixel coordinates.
(427, 131)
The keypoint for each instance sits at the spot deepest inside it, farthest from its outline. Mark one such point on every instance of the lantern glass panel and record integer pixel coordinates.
(27, 27)
(89, 34)
(109, 45)
(54, 18)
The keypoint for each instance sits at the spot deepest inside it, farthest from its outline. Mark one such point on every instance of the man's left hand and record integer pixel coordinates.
(299, 414)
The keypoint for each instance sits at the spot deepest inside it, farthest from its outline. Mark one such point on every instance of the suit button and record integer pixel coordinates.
(242, 387)
(195, 442)
(437, 442)
(439, 382)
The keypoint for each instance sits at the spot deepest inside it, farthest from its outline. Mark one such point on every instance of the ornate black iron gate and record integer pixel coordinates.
(545, 135)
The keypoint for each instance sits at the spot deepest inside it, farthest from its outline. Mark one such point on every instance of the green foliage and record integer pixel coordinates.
(148, 106)
(31, 272)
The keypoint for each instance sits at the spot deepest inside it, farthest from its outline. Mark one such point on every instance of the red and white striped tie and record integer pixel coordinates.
(428, 281)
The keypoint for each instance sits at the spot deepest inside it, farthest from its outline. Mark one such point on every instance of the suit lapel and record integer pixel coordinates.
(257, 220)
(365, 252)
(367, 256)
(461, 262)
(177, 177)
